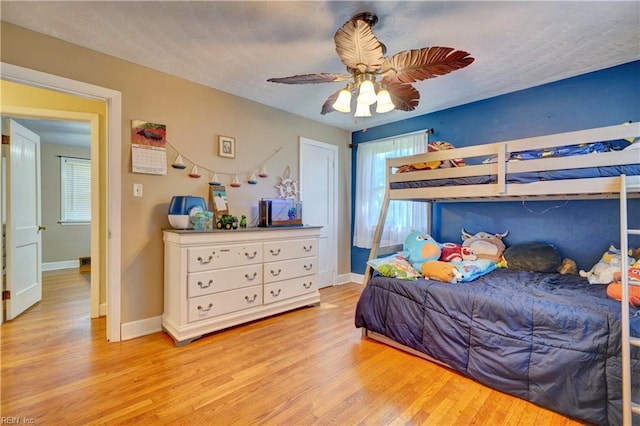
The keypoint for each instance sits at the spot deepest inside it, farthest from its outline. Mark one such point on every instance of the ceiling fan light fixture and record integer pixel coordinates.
(367, 93)
(362, 110)
(370, 70)
(343, 103)
(384, 102)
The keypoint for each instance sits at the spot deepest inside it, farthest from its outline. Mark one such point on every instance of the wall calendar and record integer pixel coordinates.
(148, 147)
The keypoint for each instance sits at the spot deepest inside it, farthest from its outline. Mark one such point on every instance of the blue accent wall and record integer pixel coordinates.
(581, 230)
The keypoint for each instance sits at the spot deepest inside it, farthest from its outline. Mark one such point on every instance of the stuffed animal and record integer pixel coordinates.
(454, 252)
(603, 271)
(534, 257)
(614, 290)
(485, 245)
(568, 266)
(441, 271)
(419, 248)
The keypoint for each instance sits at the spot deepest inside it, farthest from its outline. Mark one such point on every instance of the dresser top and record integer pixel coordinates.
(239, 230)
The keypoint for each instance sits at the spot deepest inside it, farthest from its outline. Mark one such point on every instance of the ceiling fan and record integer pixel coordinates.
(375, 78)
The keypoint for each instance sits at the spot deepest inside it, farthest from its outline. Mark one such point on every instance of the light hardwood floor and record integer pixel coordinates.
(309, 366)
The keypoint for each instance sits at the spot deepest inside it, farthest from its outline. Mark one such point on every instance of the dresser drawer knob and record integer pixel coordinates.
(201, 309)
(251, 278)
(308, 249)
(274, 252)
(307, 286)
(274, 273)
(207, 285)
(276, 293)
(308, 267)
(251, 256)
(255, 296)
(204, 262)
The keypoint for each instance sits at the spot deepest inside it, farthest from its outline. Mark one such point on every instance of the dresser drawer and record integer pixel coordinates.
(278, 271)
(285, 250)
(216, 257)
(281, 290)
(212, 305)
(201, 283)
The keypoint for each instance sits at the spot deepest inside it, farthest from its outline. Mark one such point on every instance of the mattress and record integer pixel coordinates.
(582, 173)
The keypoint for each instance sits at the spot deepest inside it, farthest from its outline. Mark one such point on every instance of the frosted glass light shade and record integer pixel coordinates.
(384, 102)
(367, 95)
(343, 103)
(362, 110)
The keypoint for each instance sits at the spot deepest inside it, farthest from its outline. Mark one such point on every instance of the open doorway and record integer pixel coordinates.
(106, 159)
(65, 182)
(63, 200)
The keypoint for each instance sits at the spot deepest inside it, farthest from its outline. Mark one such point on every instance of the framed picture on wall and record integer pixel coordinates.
(226, 146)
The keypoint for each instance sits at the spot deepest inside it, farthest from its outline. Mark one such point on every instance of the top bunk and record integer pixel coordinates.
(574, 165)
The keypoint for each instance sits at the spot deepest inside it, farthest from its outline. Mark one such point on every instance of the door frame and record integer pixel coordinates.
(11, 111)
(334, 235)
(112, 196)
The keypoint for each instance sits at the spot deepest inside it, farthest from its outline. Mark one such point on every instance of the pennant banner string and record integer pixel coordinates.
(222, 173)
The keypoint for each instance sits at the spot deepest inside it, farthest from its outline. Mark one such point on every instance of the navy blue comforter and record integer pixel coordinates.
(548, 338)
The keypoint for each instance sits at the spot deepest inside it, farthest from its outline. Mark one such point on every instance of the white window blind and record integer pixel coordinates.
(75, 190)
(402, 216)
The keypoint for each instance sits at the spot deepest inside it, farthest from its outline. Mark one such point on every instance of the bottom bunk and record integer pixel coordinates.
(551, 339)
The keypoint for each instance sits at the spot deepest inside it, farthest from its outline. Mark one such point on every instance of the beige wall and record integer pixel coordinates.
(194, 116)
(60, 242)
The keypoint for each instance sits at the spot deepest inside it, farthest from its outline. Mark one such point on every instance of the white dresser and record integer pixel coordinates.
(218, 279)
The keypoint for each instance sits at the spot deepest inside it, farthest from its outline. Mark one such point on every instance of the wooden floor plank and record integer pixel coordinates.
(309, 366)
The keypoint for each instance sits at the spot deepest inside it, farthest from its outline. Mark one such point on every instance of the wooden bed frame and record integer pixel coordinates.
(618, 187)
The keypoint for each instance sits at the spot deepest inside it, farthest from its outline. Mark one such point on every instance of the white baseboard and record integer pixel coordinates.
(103, 310)
(67, 264)
(357, 278)
(131, 330)
(350, 278)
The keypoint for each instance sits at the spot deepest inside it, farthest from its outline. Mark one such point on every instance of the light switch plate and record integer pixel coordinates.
(137, 190)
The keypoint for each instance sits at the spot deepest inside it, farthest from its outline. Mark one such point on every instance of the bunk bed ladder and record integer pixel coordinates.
(629, 407)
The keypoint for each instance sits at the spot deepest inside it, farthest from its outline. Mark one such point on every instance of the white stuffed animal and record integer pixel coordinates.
(603, 271)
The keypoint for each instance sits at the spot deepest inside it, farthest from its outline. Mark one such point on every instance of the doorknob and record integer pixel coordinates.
(42, 228)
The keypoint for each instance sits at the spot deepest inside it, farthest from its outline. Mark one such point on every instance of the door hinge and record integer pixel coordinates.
(5, 139)
(6, 295)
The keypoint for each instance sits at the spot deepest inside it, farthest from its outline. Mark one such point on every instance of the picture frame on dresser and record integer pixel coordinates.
(218, 200)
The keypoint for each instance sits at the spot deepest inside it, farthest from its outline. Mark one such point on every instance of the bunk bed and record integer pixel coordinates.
(549, 338)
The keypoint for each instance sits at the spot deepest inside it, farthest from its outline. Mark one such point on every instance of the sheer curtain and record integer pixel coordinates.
(402, 216)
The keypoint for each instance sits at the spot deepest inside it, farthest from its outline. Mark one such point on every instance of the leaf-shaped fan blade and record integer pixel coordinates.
(404, 96)
(410, 66)
(358, 48)
(327, 107)
(323, 77)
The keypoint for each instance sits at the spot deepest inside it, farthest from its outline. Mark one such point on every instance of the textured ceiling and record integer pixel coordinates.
(235, 46)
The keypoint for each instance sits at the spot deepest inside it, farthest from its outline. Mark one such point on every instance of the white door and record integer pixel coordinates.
(318, 180)
(24, 242)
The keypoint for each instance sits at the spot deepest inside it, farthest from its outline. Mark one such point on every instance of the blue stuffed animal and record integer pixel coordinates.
(420, 248)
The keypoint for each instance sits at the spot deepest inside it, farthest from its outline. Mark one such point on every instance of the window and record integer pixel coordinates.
(75, 190)
(402, 216)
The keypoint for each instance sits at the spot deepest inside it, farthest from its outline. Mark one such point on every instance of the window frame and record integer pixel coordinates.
(69, 217)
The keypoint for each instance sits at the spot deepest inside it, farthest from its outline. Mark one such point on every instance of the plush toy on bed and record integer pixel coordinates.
(419, 248)
(485, 245)
(614, 290)
(441, 271)
(603, 271)
(454, 252)
(533, 257)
